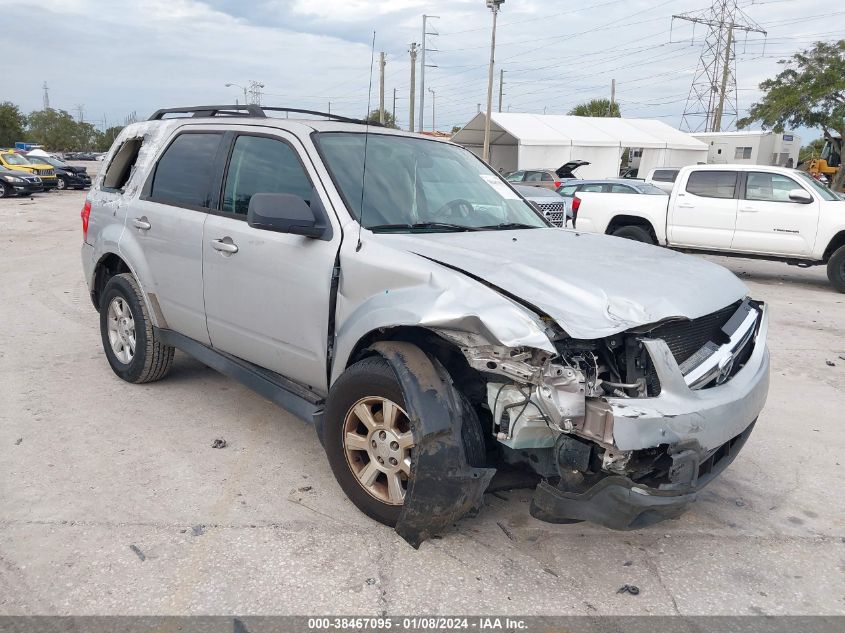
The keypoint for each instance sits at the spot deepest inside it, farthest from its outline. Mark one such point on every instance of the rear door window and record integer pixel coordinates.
(516, 176)
(712, 184)
(621, 189)
(533, 176)
(596, 188)
(262, 165)
(665, 175)
(183, 175)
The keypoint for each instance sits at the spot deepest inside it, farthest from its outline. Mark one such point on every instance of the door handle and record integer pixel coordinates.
(225, 246)
(686, 206)
(748, 209)
(142, 223)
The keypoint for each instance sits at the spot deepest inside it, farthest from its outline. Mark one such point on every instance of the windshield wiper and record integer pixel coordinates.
(505, 226)
(422, 225)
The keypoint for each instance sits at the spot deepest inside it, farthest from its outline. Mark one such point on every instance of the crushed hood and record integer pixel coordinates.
(592, 285)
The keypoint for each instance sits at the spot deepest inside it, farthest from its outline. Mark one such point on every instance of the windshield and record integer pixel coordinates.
(823, 191)
(412, 181)
(15, 159)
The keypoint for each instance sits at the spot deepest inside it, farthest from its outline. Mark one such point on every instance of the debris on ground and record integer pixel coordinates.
(138, 552)
(198, 530)
(627, 563)
(507, 532)
(830, 363)
(632, 589)
(304, 489)
(18, 441)
(218, 443)
(371, 581)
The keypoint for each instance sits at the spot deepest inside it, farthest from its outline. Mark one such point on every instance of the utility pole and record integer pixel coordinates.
(413, 52)
(501, 85)
(713, 96)
(381, 63)
(46, 96)
(330, 107)
(423, 66)
(494, 6)
(612, 96)
(433, 105)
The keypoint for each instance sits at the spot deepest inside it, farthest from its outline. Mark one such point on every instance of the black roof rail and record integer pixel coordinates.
(211, 110)
(251, 110)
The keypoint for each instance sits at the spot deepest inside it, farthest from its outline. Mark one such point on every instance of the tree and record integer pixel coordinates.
(106, 139)
(12, 124)
(808, 92)
(597, 107)
(456, 129)
(58, 130)
(813, 149)
(389, 120)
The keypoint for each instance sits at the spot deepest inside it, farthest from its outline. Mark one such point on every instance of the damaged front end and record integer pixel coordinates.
(623, 431)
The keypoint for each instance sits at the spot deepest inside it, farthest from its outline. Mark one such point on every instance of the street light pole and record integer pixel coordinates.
(494, 6)
(239, 86)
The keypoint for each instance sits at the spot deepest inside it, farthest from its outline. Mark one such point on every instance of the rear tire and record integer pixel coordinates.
(365, 383)
(131, 345)
(836, 269)
(636, 233)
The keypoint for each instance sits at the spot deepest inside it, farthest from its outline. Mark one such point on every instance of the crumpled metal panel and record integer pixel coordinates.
(442, 487)
(592, 285)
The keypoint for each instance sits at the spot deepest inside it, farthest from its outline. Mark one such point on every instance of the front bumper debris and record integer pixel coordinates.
(619, 503)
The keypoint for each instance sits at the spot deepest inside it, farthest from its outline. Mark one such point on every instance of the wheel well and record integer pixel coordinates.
(469, 381)
(630, 220)
(834, 245)
(108, 266)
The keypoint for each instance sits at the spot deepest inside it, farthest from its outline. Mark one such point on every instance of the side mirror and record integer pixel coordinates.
(799, 195)
(283, 213)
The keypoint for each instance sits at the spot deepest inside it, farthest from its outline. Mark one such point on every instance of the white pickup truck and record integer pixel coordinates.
(747, 211)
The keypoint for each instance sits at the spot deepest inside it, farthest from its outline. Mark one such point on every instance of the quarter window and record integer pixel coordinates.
(547, 178)
(183, 174)
(769, 187)
(122, 166)
(597, 188)
(532, 176)
(665, 175)
(262, 165)
(621, 189)
(712, 184)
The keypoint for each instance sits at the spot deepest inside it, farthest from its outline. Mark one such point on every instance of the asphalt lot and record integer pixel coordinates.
(112, 500)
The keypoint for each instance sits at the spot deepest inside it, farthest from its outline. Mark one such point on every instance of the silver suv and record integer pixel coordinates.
(399, 294)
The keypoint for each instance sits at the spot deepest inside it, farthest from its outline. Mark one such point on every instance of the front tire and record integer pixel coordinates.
(61, 184)
(636, 233)
(6, 191)
(370, 443)
(836, 269)
(131, 345)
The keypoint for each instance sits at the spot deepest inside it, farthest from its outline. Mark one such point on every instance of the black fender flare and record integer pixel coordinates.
(442, 487)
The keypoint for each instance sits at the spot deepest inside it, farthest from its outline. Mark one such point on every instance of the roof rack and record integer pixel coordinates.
(250, 110)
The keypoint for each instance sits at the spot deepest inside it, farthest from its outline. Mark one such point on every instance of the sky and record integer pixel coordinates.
(115, 57)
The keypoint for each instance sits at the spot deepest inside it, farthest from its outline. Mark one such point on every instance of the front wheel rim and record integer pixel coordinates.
(60, 184)
(377, 442)
(121, 330)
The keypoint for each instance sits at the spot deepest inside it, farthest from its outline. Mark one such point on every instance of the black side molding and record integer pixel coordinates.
(289, 395)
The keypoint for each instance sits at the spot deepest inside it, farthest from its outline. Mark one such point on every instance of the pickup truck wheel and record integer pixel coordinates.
(836, 269)
(369, 440)
(636, 233)
(132, 347)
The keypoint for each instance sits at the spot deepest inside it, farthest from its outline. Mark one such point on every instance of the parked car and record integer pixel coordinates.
(69, 177)
(570, 189)
(17, 162)
(546, 178)
(18, 183)
(755, 211)
(663, 177)
(550, 203)
(396, 292)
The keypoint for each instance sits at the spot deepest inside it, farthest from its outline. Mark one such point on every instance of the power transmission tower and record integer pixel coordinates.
(255, 92)
(46, 96)
(423, 65)
(80, 112)
(712, 97)
(413, 51)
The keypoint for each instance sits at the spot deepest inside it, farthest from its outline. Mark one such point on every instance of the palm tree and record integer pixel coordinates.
(597, 107)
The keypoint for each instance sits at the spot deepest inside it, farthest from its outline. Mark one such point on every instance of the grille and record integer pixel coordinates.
(553, 212)
(685, 338)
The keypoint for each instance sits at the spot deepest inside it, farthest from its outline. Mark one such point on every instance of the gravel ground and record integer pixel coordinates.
(112, 500)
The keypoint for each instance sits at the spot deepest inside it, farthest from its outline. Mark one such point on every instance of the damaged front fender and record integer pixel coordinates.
(442, 487)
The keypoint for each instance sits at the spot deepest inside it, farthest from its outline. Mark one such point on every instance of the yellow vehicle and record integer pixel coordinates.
(14, 161)
(829, 162)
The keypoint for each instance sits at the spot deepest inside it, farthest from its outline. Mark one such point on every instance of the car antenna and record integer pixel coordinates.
(366, 138)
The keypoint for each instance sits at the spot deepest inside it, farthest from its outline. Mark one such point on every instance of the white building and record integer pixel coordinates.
(751, 147)
(547, 141)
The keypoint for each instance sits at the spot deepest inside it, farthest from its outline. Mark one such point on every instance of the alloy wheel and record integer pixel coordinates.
(121, 329)
(377, 441)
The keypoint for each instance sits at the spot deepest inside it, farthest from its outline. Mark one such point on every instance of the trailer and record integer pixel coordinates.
(751, 148)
